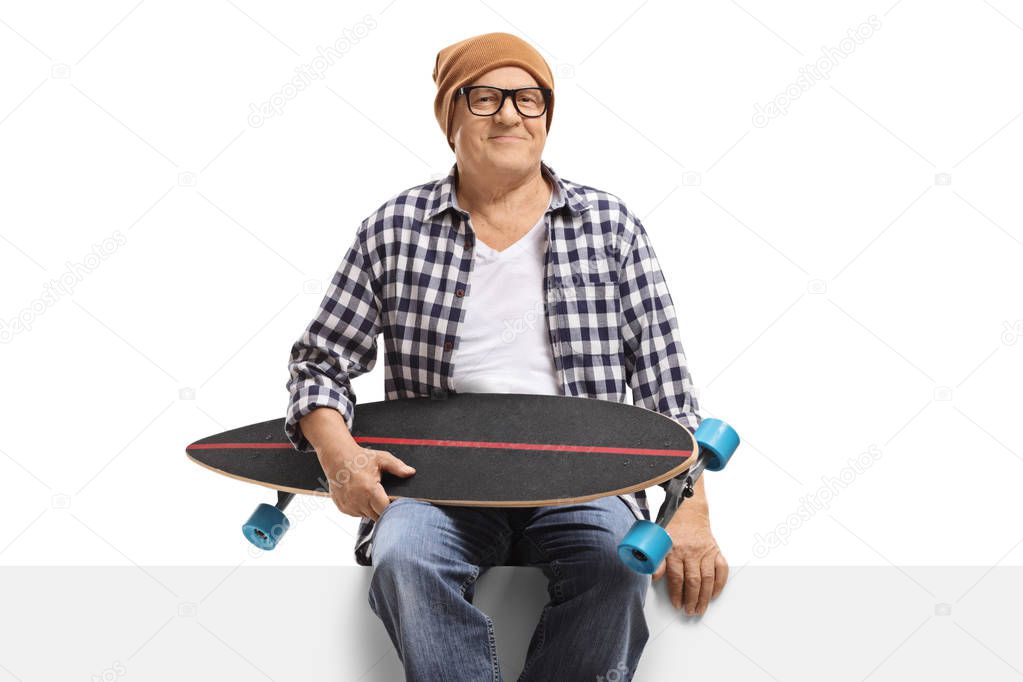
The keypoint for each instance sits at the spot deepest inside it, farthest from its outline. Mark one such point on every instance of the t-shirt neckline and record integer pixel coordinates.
(533, 234)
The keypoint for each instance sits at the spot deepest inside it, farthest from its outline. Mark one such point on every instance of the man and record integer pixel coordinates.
(502, 277)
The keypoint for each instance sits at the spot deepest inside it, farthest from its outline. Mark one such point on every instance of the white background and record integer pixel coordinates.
(835, 293)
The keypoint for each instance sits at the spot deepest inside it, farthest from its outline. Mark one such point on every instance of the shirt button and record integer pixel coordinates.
(448, 345)
(459, 293)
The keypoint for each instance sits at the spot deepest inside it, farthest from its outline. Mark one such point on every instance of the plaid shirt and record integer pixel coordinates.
(609, 314)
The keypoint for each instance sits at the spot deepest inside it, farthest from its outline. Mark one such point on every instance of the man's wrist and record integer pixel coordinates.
(687, 515)
(694, 507)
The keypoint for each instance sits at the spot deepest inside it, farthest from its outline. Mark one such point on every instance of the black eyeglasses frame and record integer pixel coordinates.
(505, 93)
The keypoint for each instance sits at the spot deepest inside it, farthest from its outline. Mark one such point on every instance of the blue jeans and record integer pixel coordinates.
(427, 558)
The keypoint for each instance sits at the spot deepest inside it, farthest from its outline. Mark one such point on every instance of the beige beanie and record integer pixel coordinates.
(462, 63)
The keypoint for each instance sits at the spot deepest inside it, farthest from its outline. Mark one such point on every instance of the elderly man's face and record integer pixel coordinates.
(477, 139)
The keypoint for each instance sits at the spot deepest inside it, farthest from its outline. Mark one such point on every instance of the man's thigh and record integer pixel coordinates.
(579, 543)
(414, 531)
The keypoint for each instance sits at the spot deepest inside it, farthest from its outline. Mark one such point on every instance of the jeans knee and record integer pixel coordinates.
(393, 566)
(634, 584)
(627, 590)
(614, 579)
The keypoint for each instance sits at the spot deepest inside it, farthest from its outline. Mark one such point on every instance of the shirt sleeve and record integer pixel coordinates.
(655, 364)
(339, 344)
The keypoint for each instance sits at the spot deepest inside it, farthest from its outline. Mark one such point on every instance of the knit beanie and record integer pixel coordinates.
(462, 63)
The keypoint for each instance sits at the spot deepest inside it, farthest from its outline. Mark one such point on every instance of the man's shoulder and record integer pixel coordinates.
(605, 211)
(407, 208)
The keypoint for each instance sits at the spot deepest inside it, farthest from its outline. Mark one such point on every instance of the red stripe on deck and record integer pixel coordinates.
(463, 444)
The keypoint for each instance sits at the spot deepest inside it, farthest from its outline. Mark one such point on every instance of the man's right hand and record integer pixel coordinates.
(353, 474)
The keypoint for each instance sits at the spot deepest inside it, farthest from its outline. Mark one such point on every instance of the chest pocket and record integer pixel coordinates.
(592, 310)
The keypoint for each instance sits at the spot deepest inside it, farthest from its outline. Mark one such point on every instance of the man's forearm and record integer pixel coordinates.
(695, 505)
(326, 430)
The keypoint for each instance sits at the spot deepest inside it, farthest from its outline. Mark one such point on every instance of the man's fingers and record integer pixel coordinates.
(720, 573)
(659, 573)
(706, 582)
(673, 571)
(392, 464)
(691, 584)
(378, 501)
(338, 502)
(373, 513)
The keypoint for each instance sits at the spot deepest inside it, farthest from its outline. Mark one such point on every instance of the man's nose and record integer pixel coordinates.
(508, 110)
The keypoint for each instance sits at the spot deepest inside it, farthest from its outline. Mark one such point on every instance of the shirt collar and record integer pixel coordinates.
(442, 196)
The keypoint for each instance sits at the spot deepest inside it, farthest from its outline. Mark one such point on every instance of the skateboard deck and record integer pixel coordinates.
(478, 449)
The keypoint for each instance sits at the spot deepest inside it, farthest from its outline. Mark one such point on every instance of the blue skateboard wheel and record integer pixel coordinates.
(718, 440)
(644, 547)
(266, 526)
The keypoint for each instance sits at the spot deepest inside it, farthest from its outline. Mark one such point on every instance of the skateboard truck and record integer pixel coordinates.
(677, 491)
(647, 543)
(268, 524)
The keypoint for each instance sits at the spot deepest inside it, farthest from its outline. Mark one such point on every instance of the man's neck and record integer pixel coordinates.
(502, 195)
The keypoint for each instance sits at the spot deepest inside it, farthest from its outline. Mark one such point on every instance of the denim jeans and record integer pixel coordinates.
(427, 558)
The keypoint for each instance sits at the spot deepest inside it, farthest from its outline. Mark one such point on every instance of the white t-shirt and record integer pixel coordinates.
(503, 343)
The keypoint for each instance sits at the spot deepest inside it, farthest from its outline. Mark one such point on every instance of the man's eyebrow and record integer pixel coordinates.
(517, 87)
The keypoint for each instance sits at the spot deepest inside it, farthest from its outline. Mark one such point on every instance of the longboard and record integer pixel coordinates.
(479, 449)
(492, 450)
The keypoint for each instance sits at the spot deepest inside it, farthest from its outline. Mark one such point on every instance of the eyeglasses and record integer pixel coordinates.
(484, 100)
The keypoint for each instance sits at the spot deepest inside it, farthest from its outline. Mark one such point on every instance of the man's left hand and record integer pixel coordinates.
(695, 567)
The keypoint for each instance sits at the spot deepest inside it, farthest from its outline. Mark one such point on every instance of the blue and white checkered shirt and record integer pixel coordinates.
(609, 314)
